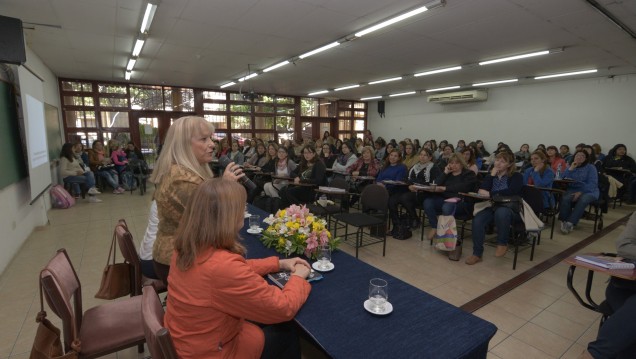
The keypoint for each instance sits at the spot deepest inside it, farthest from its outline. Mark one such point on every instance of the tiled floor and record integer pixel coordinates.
(539, 319)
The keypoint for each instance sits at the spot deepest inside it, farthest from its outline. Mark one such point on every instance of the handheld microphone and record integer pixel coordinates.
(224, 161)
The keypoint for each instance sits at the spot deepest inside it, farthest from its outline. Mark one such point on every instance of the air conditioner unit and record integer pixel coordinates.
(459, 96)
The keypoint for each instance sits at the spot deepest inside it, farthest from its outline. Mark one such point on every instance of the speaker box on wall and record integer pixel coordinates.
(381, 108)
(11, 41)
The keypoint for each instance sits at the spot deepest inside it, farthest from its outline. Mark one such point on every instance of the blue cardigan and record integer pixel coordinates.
(398, 172)
(541, 180)
(586, 178)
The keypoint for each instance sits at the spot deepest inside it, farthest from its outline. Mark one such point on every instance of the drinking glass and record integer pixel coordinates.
(378, 294)
(255, 222)
(324, 257)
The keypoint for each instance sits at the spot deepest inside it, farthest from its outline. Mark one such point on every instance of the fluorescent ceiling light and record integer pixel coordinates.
(148, 16)
(346, 87)
(138, 45)
(128, 74)
(248, 77)
(391, 21)
(228, 84)
(443, 88)
(495, 82)
(280, 64)
(131, 64)
(566, 74)
(385, 80)
(516, 57)
(402, 94)
(320, 49)
(317, 92)
(370, 98)
(438, 71)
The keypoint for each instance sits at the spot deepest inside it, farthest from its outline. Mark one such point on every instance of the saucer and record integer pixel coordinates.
(388, 308)
(251, 231)
(316, 266)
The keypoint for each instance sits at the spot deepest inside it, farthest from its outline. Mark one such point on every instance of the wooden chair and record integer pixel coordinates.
(158, 338)
(102, 329)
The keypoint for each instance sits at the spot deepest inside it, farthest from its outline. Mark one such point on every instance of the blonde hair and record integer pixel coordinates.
(459, 158)
(177, 148)
(509, 157)
(212, 218)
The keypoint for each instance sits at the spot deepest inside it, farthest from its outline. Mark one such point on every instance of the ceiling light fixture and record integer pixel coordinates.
(346, 87)
(148, 16)
(566, 74)
(139, 44)
(248, 77)
(228, 84)
(128, 74)
(495, 82)
(320, 49)
(131, 64)
(317, 92)
(385, 80)
(438, 71)
(370, 98)
(444, 88)
(516, 57)
(399, 18)
(402, 94)
(274, 67)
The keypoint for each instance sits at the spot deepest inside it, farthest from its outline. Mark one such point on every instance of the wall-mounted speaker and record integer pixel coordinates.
(381, 108)
(11, 41)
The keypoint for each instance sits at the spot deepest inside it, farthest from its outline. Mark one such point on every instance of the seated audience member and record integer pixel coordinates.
(599, 154)
(580, 193)
(133, 153)
(235, 155)
(380, 149)
(249, 148)
(325, 136)
(616, 337)
(217, 296)
(469, 157)
(541, 147)
(345, 160)
(326, 156)
(461, 144)
(523, 155)
(442, 161)
(564, 151)
(490, 161)
(338, 147)
(423, 172)
(617, 157)
(388, 149)
(145, 249)
(224, 149)
(359, 145)
(455, 177)
(72, 172)
(365, 166)
(310, 171)
(410, 156)
(103, 166)
(393, 170)
(80, 154)
(593, 159)
(556, 162)
(259, 158)
(482, 150)
(284, 167)
(118, 156)
(540, 175)
(416, 146)
(502, 180)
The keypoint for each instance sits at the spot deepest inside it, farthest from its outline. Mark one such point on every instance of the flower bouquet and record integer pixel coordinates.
(295, 230)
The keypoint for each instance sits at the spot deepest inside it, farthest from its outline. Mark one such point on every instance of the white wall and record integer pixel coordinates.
(18, 218)
(600, 110)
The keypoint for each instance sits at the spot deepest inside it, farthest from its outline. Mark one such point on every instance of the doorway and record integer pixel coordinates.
(148, 131)
(315, 128)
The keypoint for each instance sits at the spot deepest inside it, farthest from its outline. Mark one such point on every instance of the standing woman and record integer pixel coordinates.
(345, 160)
(311, 171)
(540, 175)
(181, 168)
(580, 193)
(72, 172)
(502, 180)
(216, 295)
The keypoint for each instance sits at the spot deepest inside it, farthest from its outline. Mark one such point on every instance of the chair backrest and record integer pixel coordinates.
(374, 198)
(63, 293)
(534, 198)
(157, 337)
(339, 182)
(129, 251)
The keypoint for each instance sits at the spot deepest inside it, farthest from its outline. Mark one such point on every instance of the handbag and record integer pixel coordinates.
(512, 202)
(116, 276)
(47, 343)
(446, 234)
(402, 228)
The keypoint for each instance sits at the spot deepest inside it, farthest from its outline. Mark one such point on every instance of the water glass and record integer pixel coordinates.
(378, 294)
(324, 256)
(255, 222)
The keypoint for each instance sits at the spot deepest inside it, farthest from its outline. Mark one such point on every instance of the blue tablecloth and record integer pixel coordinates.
(420, 326)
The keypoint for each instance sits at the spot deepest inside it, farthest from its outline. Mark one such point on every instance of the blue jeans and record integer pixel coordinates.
(503, 217)
(436, 205)
(88, 178)
(110, 176)
(566, 213)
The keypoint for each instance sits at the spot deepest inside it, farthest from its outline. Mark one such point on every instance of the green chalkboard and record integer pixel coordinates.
(11, 152)
(53, 132)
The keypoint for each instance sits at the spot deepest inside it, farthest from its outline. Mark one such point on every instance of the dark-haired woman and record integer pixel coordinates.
(580, 193)
(345, 160)
(326, 156)
(393, 170)
(621, 166)
(540, 175)
(72, 172)
(557, 163)
(309, 174)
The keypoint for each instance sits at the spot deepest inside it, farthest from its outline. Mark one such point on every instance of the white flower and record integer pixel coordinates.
(270, 220)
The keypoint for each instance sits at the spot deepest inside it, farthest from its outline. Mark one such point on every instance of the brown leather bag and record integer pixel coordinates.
(116, 277)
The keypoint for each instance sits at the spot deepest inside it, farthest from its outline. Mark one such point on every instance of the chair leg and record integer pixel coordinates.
(140, 348)
(537, 239)
(514, 260)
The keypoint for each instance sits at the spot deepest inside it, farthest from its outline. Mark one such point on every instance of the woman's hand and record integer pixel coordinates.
(575, 196)
(296, 266)
(493, 172)
(573, 165)
(483, 192)
(355, 173)
(538, 168)
(79, 173)
(447, 169)
(233, 172)
(297, 180)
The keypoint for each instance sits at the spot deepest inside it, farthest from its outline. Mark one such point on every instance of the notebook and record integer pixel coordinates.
(605, 261)
(281, 278)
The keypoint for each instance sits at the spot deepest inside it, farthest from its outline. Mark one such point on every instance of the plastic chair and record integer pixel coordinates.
(158, 338)
(103, 329)
(129, 251)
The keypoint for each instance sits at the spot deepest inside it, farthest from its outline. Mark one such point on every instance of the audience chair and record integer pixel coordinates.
(374, 216)
(534, 198)
(129, 251)
(139, 170)
(103, 329)
(158, 338)
(329, 210)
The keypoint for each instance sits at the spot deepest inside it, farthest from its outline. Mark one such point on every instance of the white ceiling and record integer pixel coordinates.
(206, 43)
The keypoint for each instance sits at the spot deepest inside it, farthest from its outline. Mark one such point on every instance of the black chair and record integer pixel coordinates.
(140, 172)
(374, 201)
(601, 205)
(328, 210)
(534, 198)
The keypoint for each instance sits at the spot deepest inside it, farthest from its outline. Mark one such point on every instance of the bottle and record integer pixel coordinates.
(558, 172)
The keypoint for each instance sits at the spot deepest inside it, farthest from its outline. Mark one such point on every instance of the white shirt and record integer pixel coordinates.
(145, 249)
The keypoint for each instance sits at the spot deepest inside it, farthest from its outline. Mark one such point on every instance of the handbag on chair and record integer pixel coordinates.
(116, 276)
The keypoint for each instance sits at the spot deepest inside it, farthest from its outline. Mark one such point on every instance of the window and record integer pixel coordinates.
(78, 101)
(285, 123)
(113, 102)
(114, 89)
(241, 108)
(258, 108)
(240, 122)
(146, 97)
(77, 86)
(80, 118)
(284, 100)
(114, 119)
(285, 110)
(214, 106)
(213, 95)
(264, 122)
(178, 99)
(219, 121)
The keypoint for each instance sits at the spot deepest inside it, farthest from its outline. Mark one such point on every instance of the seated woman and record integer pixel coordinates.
(616, 338)
(217, 296)
(620, 165)
(455, 178)
(258, 159)
(556, 162)
(523, 155)
(580, 193)
(326, 156)
(103, 166)
(310, 171)
(132, 152)
(423, 172)
(445, 154)
(235, 155)
(469, 157)
(366, 166)
(249, 148)
(284, 167)
(72, 172)
(540, 175)
(410, 157)
(393, 170)
(502, 180)
(345, 160)
(119, 158)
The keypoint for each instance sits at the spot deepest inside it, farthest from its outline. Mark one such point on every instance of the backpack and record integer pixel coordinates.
(402, 228)
(60, 198)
